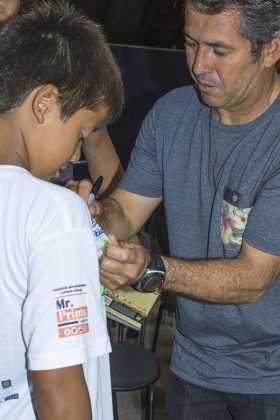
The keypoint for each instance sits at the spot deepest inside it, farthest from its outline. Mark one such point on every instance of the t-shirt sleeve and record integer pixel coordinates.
(143, 175)
(263, 227)
(63, 315)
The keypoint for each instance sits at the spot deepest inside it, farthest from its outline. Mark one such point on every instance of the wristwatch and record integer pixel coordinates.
(154, 277)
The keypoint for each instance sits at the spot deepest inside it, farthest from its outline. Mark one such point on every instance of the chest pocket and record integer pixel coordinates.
(233, 219)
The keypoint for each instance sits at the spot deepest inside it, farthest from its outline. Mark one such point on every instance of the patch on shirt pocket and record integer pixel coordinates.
(234, 219)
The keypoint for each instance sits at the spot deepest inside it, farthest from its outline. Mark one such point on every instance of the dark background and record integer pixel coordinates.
(152, 23)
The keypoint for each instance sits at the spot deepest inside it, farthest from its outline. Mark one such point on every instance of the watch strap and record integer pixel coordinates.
(155, 267)
(156, 263)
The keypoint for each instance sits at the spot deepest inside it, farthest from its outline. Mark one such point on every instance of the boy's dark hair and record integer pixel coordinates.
(54, 44)
(260, 19)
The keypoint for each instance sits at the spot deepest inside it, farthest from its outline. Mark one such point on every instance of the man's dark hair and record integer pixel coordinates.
(260, 19)
(54, 44)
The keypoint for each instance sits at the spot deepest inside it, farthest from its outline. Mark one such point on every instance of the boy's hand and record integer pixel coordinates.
(83, 188)
(122, 263)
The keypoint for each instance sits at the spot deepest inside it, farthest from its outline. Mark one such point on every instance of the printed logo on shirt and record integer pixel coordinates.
(12, 397)
(71, 313)
(6, 384)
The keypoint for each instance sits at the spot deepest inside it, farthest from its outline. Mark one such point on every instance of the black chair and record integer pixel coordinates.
(133, 367)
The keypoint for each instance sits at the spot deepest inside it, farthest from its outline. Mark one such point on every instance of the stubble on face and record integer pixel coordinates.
(227, 77)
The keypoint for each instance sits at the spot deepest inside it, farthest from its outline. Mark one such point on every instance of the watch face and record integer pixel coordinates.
(153, 282)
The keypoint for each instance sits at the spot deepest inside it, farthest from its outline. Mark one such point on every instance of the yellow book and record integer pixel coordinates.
(128, 306)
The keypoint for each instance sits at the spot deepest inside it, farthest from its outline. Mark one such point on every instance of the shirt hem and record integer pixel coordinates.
(262, 386)
(61, 359)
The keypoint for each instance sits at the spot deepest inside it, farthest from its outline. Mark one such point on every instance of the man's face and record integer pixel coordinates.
(8, 9)
(221, 61)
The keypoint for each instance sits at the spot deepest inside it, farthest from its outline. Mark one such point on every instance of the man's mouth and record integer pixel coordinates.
(204, 87)
(204, 84)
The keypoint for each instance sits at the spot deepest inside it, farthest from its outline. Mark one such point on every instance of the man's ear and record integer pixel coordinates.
(272, 51)
(44, 102)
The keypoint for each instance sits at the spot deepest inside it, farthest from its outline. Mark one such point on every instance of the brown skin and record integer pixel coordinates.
(24, 131)
(239, 90)
(241, 280)
(102, 159)
(221, 63)
(61, 394)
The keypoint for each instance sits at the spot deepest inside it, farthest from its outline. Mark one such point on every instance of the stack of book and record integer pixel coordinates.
(128, 306)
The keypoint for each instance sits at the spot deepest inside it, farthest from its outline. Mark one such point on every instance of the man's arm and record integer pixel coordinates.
(124, 213)
(231, 281)
(102, 159)
(61, 394)
(244, 279)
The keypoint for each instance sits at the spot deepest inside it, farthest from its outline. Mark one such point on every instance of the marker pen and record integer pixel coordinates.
(94, 191)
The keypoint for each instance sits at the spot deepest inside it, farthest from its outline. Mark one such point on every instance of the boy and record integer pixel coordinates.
(58, 83)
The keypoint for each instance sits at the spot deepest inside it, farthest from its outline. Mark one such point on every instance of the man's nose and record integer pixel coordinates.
(202, 62)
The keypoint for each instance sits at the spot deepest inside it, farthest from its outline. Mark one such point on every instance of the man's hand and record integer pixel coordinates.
(122, 263)
(83, 189)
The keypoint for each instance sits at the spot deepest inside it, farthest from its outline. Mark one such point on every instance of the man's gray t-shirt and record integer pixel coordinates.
(221, 184)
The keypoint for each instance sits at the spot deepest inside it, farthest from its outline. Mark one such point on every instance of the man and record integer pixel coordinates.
(58, 84)
(212, 153)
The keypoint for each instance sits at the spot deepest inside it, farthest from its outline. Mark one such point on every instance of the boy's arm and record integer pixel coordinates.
(102, 159)
(61, 394)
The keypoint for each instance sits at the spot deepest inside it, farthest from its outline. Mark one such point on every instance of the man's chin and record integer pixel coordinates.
(209, 99)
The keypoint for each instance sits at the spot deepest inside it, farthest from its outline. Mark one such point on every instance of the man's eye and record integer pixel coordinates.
(219, 53)
(190, 44)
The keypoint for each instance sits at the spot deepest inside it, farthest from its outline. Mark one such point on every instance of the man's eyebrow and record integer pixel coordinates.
(217, 44)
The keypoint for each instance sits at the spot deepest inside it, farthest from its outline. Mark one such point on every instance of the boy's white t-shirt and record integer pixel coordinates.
(51, 310)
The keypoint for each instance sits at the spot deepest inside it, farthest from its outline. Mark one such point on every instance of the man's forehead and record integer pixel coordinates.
(218, 25)
(200, 14)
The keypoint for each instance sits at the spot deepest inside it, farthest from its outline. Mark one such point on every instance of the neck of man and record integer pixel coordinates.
(262, 98)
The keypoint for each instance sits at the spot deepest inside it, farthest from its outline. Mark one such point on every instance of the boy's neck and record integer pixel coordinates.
(12, 149)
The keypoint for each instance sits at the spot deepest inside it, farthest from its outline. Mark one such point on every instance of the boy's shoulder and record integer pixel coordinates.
(62, 203)
(54, 192)
(44, 202)
(49, 192)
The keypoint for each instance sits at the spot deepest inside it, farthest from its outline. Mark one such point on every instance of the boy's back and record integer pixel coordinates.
(55, 318)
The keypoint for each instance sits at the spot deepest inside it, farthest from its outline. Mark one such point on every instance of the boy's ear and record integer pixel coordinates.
(45, 101)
